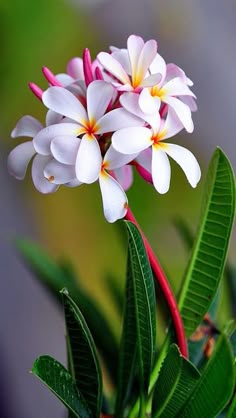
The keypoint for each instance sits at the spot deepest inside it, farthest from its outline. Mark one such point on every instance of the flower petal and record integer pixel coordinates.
(158, 65)
(132, 140)
(89, 160)
(172, 71)
(146, 57)
(40, 182)
(64, 149)
(135, 45)
(160, 170)
(151, 80)
(113, 197)
(148, 103)
(26, 126)
(99, 95)
(43, 140)
(114, 159)
(73, 183)
(145, 159)
(122, 56)
(182, 111)
(19, 159)
(65, 103)
(176, 87)
(58, 173)
(186, 160)
(75, 68)
(117, 119)
(64, 79)
(172, 125)
(124, 176)
(52, 118)
(113, 66)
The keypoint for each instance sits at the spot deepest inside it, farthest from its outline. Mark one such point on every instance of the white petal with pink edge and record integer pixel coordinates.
(40, 182)
(172, 125)
(182, 111)
(145, 159)
(58, 173)
(114, 159)
(75, 68)
(122, 56)
(134, 45)
(117, 119)
(42, 141)
(146, 57)
(190, 102)
(27, 126)
(160, 170)
(65, 103)
(124, 176)
(148, 103)
(176, 87)
(172, 70)
(186, 161)
(89, 160)
(151, 80)
(19, 159)
(65, 148)
(113, 197)
(113, 66)
(158, 65)
(99, 95)
(132, 140)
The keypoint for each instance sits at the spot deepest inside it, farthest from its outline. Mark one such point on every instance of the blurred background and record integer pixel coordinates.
(200, 38)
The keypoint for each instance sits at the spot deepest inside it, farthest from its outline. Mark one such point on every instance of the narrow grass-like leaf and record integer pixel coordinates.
(139, 324)
(143, 300)
(83, 358)
(215, 387)
(177, 380)
(54, 375)
(55, 277)
(210, 249)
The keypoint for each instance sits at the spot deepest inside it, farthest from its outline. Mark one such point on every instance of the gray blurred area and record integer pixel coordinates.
(200, 37)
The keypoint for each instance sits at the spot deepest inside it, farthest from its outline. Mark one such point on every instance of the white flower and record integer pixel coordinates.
(90, 123)
(130, 67)
(137, 139)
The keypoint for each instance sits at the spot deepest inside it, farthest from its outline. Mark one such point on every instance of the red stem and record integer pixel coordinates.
(165, 287)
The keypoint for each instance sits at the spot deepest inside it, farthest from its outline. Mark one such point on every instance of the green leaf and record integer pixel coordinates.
(60, 382)
(177, 380)
(139, 325)
(55, 277)
(232, 409)
(83, 357)
(215, 387)
(211, 244)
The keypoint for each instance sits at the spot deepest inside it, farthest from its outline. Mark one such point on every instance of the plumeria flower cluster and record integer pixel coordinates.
(105, 117)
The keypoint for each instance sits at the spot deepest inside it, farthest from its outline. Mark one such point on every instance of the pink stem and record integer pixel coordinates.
(167, 292)
(38, 92)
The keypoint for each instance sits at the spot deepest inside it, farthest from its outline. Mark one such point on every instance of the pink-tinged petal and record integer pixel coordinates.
(160, 170)
(117, 119)
(58, 173)
(122, 56)
(145, 159)
(190, 102)
(130, 101)
(99, 95)
(65, 79)
(135, 45)
(172, 70)
(146, 57)
(113, 66)
(19, 159)
(148, 103)
(27, 126)
(124, 176)
(89, 160)
(176, 87)
(65, 148)
(42, 141)
(52, 118)
(114, 159)
(172, 125)
(186, 161)
(158, 65)
(73, 183)
(182, 111)
(132, 140)
(65, 103)
(75, 68)
(40, 182)
(113, 197)
(151, 80)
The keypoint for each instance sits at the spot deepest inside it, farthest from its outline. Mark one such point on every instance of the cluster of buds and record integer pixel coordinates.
(106, 117)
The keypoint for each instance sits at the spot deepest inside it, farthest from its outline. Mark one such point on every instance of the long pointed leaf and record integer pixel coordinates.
(83, 358)
(177, 380)
(215, 387)
(59, 381)
(210, 249)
